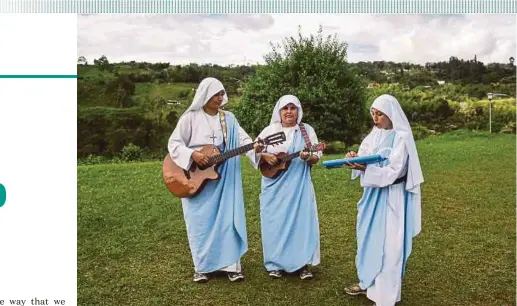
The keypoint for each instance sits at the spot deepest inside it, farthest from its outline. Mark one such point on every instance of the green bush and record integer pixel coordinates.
(317, 72)
(92, 160)
(131, 152)
(474, 115)
(420, 132)
(335, 147)
(106, 131)
(509, 128)
(339, 147)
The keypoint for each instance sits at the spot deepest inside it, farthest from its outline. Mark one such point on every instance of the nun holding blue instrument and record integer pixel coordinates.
(389, 212)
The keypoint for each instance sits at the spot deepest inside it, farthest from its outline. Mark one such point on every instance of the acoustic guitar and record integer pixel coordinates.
(184, 184)
(284, 160)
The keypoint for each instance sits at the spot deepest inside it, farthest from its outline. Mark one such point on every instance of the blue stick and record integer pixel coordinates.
(370, 159)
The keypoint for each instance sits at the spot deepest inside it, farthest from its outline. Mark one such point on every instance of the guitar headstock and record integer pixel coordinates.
(273, 139)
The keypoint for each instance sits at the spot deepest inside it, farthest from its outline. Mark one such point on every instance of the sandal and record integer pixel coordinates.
(354, 290)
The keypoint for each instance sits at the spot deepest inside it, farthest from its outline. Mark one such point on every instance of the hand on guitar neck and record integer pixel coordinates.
(203, 160)
(258, 146)
(309, 157)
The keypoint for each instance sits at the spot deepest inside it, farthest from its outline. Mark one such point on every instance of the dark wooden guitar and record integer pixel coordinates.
(284, 160)
(184, 184)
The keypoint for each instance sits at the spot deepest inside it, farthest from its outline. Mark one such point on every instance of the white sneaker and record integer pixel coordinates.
(200, 278)
(235, 276)
(305, 273)
(275, 274)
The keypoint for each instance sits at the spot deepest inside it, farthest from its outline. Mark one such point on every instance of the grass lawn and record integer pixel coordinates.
(133, 249)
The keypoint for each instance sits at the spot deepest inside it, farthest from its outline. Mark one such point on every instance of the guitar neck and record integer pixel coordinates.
(217, 159)
(294, 155)
(291, 156)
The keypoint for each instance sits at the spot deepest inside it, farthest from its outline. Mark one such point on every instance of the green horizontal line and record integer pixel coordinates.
(38, 76)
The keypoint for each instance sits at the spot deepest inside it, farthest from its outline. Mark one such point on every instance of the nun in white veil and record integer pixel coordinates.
(215, 218)
(288, 210)
(389, 212)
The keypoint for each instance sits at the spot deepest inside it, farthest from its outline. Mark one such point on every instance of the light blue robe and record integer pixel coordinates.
(371, 226)
(289, 216)
(215, 218)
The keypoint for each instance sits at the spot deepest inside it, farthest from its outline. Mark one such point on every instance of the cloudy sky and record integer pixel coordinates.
(239, 39)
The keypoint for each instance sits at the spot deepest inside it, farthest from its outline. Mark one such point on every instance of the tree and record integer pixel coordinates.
(317, 72)
(82, 60)
(122, 88)
(102, 63)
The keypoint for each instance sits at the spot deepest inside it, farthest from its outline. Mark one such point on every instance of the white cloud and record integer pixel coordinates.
(235, 39)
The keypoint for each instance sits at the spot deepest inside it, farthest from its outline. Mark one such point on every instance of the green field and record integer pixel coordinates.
(166, 91)
(133, 250)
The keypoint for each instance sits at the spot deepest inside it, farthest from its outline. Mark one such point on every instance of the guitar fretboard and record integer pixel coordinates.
(214, 160)
(290, 157)
(296, 154)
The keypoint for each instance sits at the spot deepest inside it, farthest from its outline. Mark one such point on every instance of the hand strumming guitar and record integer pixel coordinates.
(360, 167)
(269, 158)
(200, 158)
